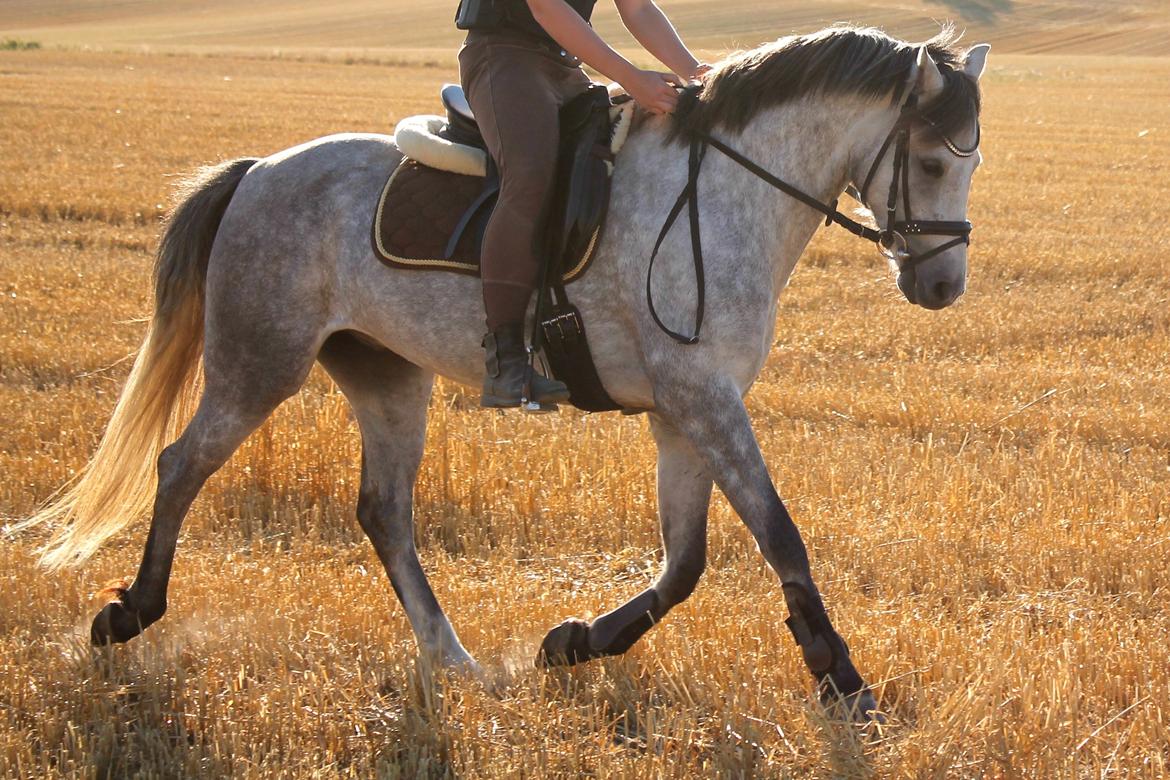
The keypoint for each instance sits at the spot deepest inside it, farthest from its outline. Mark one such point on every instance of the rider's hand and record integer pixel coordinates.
(701, 70)
(654, 91)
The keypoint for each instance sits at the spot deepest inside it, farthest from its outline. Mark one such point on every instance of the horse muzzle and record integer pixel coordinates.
(930, 288)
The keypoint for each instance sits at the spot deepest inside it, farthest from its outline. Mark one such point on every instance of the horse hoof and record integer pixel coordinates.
(565, 645)
(464, 666)
(860, 707)
(114, 624)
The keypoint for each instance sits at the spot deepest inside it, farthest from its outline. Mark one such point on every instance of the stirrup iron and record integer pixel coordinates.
(528, 404)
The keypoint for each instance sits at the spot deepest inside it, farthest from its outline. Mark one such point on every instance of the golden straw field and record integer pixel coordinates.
(983, 490)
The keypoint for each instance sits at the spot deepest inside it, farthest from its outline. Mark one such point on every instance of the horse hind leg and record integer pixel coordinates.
(389, 397)
(246, 379)
(684, 495)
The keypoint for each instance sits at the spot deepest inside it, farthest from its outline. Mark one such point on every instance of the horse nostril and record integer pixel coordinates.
(942, 291)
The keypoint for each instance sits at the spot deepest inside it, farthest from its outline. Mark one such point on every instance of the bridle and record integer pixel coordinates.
(891, 240)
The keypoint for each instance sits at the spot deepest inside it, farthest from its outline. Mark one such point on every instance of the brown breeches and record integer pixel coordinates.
(516, 89)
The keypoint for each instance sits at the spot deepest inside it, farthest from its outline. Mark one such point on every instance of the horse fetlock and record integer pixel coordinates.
(121, 620)
(860, 707)
(818, 655)
(461, 662)
(615, 632)
(838, 681)
(114, 624)
(827, 658)
(841, 678)
(825, 653)
(575, 641)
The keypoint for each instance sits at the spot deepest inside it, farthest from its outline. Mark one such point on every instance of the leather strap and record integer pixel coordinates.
(832, 214)
(887, 239)
(688, 197)
(491, 188)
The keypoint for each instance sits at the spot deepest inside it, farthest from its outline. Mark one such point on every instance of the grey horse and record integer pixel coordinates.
(266, 267)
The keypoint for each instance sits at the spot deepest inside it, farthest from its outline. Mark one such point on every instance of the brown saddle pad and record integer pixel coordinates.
(418, 211)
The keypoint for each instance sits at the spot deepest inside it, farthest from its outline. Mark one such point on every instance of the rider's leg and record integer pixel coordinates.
(516, 92)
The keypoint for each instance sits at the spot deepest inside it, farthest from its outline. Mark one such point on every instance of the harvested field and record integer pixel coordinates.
(983, 490)
(423, 27)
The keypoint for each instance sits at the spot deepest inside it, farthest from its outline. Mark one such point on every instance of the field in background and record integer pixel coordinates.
(983, 490)
(422, 28)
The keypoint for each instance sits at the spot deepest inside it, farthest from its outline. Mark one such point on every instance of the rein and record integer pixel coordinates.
(891, 240)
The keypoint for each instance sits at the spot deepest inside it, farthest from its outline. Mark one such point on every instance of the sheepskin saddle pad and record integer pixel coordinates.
(436, 203)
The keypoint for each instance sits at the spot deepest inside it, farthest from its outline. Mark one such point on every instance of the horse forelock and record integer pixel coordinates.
(839, 60)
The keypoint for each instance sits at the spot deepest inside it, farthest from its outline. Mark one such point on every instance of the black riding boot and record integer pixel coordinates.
(506, 369)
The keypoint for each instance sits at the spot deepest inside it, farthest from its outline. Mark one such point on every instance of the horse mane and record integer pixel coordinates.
(839, 60)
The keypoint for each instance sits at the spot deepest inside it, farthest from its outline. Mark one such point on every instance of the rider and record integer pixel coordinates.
(520, 64)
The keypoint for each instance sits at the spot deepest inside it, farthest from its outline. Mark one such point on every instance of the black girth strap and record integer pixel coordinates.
(581, 203)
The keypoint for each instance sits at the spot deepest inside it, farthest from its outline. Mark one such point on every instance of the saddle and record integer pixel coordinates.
(436, 203)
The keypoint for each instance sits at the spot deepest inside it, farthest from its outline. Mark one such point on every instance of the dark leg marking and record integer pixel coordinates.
(714, 419)
(389, 397)
(684, 493)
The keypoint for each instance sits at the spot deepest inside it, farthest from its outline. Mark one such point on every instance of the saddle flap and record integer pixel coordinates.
(584, 167)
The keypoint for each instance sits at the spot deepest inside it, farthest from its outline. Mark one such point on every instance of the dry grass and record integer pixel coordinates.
(999, 568)
(423, 29)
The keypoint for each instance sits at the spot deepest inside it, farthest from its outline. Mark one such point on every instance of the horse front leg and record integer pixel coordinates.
(714, 419)
(684, 494)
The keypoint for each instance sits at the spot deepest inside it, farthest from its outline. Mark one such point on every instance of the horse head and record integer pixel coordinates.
(915, 175)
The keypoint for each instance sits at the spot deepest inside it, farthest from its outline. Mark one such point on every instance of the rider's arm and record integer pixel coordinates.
(652, 90)
(653, 30)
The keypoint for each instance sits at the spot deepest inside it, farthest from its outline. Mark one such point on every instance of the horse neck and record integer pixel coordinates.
(808, 144)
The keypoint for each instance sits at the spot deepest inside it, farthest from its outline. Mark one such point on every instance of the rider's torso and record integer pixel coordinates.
(518, 18)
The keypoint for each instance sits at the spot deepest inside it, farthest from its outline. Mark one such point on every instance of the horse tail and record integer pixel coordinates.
(118, 484)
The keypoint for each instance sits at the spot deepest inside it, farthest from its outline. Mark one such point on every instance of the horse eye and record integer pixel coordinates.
(933, 168)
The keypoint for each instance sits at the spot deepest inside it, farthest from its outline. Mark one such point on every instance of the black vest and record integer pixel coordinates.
(517, 16)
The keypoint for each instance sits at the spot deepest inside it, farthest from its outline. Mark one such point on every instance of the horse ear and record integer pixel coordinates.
(929, 80)
(976, 60)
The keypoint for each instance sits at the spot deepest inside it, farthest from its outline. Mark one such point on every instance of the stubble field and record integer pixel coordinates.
(983, 490)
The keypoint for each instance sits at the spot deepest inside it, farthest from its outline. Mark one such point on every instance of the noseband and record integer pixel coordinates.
(891, 240)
